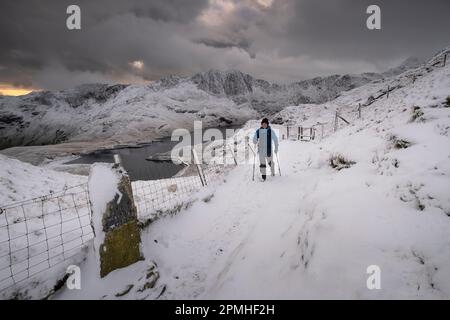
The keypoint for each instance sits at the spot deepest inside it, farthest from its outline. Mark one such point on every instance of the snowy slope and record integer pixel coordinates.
(21, 181)
(312, 232)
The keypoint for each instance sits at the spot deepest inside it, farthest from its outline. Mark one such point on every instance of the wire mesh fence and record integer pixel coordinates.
(38, 234)
(156, 197)
(152, 197)
(215, 172)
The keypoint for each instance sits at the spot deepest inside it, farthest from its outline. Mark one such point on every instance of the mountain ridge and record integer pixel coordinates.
(107, 115)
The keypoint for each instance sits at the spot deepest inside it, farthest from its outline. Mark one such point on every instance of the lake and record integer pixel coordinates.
(134, 159)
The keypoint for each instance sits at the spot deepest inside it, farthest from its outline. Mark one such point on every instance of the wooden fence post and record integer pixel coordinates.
(287, 128)
(445, 59)
(387, 93)
(359, 111)
(336, 121)
(343, 119)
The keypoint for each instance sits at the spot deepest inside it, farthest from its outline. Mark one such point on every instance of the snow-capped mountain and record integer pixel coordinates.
(267, 98)
(116, 114)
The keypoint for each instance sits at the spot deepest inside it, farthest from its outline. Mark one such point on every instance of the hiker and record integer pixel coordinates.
(263, 137)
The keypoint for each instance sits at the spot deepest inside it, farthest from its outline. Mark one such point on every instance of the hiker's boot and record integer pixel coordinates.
(264, 177)
(272, 169)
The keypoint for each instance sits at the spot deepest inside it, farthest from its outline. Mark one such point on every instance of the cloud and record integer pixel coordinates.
(281, 40)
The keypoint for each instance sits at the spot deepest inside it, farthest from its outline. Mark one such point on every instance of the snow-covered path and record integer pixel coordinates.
(243, 216)
(310, 233)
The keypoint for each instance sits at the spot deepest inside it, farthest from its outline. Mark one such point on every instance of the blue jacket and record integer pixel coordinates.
(265, 138)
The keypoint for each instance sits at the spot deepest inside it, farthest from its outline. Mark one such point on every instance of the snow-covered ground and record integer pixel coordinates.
(32, 243)
(21, 181)
(373, 193)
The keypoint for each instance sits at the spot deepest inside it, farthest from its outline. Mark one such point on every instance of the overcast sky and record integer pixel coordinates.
(281, 40)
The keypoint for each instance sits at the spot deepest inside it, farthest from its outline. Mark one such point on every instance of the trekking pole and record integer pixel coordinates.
(254, 160)
(278, 161)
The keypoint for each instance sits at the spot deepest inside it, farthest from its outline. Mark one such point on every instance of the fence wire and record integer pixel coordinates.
(37, 234)
(155, 197)
(152, 197)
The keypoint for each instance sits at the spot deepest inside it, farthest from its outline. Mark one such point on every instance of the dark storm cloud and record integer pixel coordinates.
(35, 40)
(337, 29)
(242, 43)
(279, 40)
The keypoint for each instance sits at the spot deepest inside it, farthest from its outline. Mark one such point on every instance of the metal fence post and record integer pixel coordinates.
(232, 153)
(198, 165)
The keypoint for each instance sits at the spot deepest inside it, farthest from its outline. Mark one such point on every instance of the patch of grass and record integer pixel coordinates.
(399, 143)
(339, 162)
(417, 114)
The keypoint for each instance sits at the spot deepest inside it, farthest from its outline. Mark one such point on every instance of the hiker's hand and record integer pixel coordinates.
(276, 149)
